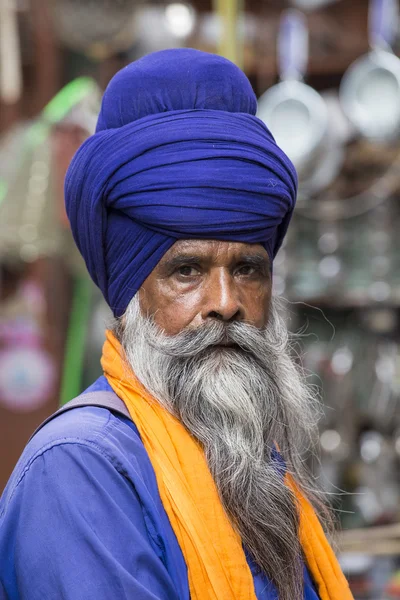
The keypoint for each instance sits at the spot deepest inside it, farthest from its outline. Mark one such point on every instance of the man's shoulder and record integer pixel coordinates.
(82, 424)
(86, 425)
(84, 495)
(85, 429)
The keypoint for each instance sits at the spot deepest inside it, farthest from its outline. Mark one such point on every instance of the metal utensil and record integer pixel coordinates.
(370, 88)
(295, 112)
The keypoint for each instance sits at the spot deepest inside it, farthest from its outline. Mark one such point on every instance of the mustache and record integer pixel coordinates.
(191, 342)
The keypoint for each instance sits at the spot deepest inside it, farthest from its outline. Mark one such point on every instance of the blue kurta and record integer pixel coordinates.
(82, 519)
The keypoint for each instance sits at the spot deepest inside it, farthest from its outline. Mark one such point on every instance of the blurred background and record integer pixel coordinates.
(327, 76)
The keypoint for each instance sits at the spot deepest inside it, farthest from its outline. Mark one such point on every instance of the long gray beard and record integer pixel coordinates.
(240, 402)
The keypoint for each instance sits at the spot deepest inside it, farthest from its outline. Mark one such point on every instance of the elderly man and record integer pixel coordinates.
(179, 204)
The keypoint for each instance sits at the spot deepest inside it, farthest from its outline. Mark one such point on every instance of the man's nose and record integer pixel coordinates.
(222, 298)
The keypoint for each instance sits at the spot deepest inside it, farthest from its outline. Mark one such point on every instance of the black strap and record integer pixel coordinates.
(108, 400)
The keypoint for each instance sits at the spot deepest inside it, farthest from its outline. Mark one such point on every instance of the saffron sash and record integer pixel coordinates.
(217, 566)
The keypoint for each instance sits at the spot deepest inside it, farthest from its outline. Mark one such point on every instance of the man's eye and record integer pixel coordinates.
(246, 270)
(187, 271)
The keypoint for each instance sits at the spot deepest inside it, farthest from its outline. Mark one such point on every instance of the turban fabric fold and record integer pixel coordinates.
(178, 154)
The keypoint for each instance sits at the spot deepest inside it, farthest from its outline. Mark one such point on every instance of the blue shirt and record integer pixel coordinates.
(81, 518)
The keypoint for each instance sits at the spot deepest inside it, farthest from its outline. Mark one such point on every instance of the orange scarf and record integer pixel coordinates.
(217, 566)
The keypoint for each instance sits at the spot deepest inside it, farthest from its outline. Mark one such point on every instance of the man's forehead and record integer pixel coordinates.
(209, 249)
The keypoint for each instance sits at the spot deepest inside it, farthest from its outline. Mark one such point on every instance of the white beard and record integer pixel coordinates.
(239, 402)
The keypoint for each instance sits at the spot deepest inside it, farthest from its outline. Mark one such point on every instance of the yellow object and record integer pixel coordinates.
(217, 566)
(230, 43)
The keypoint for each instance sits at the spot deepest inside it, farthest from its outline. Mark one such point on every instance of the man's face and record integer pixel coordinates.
(215, 354)
(199, 280)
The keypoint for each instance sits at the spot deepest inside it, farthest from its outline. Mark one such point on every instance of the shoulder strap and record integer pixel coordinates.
(108, 400)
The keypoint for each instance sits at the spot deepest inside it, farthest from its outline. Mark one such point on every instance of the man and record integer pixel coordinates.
(178, 204)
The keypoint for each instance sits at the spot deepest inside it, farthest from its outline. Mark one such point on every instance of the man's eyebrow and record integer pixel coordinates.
(182, 259)
(257, 260)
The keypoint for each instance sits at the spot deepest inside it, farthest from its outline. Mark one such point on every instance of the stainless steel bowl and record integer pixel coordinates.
(370, 95)
(297, 117)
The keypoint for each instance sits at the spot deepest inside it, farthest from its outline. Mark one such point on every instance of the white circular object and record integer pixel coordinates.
(180, 19)
(297, 117)
(330, 440)
(328, 242)
(371, 444)
(342, 361)
(27, 378)
(379, 291)
(385, 369)
(329, 267)
(370, 95)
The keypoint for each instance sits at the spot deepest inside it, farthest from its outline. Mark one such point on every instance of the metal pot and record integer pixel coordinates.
(370, 89)
(297, 117)
(295, 113)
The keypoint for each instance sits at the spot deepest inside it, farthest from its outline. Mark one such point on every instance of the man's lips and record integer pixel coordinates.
(227, 345)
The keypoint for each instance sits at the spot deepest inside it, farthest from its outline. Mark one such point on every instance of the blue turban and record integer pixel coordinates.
(178, 153)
